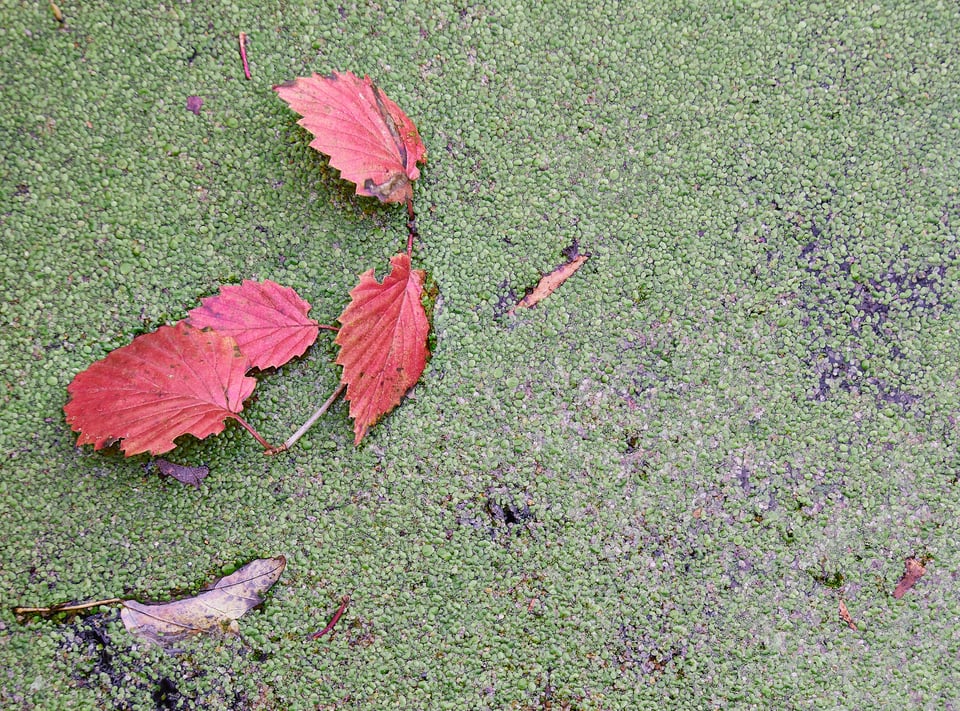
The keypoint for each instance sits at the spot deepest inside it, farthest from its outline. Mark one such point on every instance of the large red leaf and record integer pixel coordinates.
(383, 342)
(368, 138)
(177, 380)
(268, 321)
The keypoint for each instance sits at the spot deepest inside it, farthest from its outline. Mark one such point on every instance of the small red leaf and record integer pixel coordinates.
(383, 342)
(368, 137)
(177, 380)
(268, 321)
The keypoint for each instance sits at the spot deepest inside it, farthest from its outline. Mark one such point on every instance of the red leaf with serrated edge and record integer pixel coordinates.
(383, 342)
(368, 138)
(177, 380)
(268, 321)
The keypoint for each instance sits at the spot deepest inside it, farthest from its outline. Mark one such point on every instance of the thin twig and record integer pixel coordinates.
(243, 54)
(67, 607)
(344, 601)
(309, 423)
(256, 435)
(412, 232)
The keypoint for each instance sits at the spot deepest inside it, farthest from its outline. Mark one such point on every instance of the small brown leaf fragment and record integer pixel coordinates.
(214, 609)
(846, 617)
(184, 474)
(914, 570)
(551, 282)
(57, 14)
(367, 136)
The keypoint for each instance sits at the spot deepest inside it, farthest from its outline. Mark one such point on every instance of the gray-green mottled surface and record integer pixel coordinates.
(740, 412)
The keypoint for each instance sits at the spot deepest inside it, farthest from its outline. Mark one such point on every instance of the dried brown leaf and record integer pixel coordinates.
(214, 609)
(551, 282)
(184, 474)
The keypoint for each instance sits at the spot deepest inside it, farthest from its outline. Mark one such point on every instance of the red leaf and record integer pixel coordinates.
(268, 321)
(368, 138)
(383, 342)
(175, 381)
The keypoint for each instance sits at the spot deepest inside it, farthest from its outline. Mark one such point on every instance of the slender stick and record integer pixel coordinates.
(256, 435)
(309, 423)
(412, 232)
(344, 601)
(243, 54)
(65, 608)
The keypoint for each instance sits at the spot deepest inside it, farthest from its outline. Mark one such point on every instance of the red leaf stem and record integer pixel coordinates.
(344, 601)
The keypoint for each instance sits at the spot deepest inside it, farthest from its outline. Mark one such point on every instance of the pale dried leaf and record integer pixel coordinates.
(213, 610)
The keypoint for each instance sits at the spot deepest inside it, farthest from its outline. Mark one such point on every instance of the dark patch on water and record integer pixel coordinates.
(857, 320)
